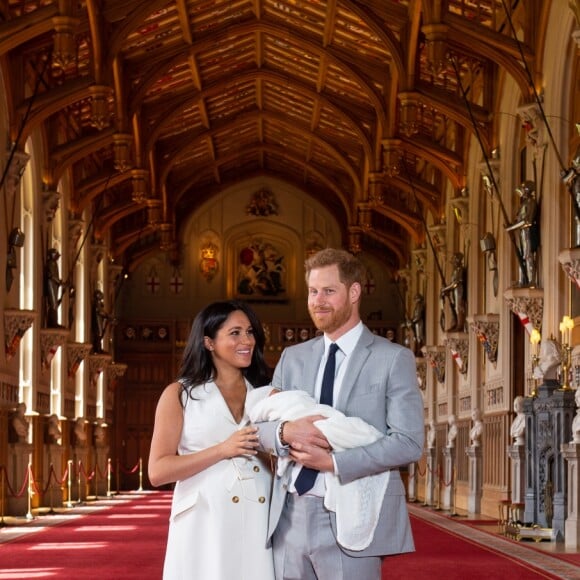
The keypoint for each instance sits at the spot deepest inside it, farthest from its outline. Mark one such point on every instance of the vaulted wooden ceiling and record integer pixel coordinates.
(151, 107)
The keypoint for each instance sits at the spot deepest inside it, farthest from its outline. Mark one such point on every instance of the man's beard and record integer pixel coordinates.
(332, 320)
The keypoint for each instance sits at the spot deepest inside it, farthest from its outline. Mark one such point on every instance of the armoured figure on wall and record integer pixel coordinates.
(571, 179)
(419, 322)
(526, 223)
(52, 288)
(456, 292)
(99, 321)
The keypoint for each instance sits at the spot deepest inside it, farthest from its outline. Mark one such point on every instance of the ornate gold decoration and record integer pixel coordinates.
(209, 265)
(139, 183)
(122, 151)
(422, 373)
(409, 115)
(262, 204)
(100, 117)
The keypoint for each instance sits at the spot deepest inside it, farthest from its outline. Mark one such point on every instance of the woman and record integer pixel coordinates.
(202, 440)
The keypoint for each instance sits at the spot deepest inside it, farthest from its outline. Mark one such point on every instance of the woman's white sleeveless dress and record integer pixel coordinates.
(219, 517)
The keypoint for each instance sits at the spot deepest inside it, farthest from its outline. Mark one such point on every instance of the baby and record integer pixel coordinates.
(357, 504)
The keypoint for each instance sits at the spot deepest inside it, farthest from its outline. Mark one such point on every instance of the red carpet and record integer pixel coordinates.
(124, 539)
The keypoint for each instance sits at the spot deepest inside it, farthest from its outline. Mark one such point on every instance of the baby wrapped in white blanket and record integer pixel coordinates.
(357, 504)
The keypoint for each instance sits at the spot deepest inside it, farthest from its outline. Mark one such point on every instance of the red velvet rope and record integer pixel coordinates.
(88, 476)
(10, 488)
(132, 470)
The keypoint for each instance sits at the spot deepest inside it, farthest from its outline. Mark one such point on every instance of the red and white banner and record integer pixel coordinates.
(457, 358)
(526, 322)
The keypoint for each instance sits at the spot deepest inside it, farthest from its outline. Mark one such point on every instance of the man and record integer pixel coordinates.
(374, 379)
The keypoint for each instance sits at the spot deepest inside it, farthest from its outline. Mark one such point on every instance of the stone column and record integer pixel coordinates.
(448, 482)
(20, 454)
(571, 452)
(53, 453)
(517, 454)
(475, 478)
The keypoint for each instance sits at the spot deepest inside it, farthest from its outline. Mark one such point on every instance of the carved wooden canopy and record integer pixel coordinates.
(152, 107)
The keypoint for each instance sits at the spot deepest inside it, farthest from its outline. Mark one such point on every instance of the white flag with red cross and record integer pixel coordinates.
(526, 322)
(153, 283)
(457, 358)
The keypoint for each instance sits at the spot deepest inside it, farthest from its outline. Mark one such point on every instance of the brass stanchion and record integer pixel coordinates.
(117, 476)
(50, 489)
(109, 494)
(79, 477)
(96, 480)
(69, 502)
(29, 515)
(2, 492)
(140, 474)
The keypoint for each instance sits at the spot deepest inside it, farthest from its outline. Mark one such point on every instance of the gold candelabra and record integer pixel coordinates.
(566, 327)
(535, 338)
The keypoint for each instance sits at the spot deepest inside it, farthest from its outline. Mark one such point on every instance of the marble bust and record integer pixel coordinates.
(452, 431)
(54, 432)
(431, 435)
(20, 423)
(476, 429)
(518, 425)
(576, 421)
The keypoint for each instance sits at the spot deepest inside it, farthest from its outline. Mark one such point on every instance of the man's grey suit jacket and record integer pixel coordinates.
(380, 386)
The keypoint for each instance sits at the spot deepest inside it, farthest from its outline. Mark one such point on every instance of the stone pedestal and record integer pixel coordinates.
(101, 460)
(19, 457)
(571, 452)
(475, 478)
(448, 483)
(53, 474)
(517, 454)
(80, 469)
(430, 482)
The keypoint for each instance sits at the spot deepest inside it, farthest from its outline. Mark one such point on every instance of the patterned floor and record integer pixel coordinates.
(523, 551)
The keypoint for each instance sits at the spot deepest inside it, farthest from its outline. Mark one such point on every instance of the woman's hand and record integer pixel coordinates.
(242, 442)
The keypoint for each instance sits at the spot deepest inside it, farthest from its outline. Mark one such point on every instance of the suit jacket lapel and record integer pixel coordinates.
(358, 358)
(311, 366)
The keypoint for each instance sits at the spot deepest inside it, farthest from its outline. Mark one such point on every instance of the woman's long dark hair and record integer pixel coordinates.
(197, 365)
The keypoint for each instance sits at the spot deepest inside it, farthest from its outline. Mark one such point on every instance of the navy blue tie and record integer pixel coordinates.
(307, 475)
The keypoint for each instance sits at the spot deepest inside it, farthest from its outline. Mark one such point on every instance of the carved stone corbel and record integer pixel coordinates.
(494, 177)
(50, 203)
(533, 125)
(458, 343)
(98, 363)
(139, 182)
(100, 117)
(16, 171)
(435, 355)
(153, 213)
(486, 328)
(570, 261)
(114, 372)
(460, 206)
(50, 341)
(122, 151)
(76, 352)
(528, 305)
(392, 156)
(354, 245)
(409, 114)
(16, 323)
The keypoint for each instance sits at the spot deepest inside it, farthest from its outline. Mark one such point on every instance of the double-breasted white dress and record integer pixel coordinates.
(219, 517)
